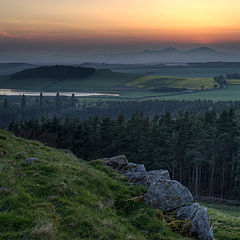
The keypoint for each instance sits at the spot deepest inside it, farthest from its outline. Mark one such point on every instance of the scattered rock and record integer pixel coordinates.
(167, 194)
(134, 172)
(116, 162)
(200, 222)
(152, 175)
(31, 160)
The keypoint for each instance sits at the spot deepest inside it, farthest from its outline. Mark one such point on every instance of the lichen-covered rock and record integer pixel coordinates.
(167, 194)
(117, 162)
(201, 226)
(135, 173)
(152, 175)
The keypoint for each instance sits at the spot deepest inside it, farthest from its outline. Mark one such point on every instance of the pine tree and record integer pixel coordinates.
(73, 101)
(41, 99)
(57, 102)
(23, 102)
(5, 104)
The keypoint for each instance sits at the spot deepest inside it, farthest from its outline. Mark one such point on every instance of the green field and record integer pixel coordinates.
(231, 93)
(130, 86)
(226, 221)
(151, 82)
(233, 81)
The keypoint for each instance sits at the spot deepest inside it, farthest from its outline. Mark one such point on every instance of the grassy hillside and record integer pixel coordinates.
(152, 82)
(101, 80)
(62, 197)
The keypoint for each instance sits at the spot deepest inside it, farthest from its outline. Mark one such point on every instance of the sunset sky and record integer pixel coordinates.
(113, 25)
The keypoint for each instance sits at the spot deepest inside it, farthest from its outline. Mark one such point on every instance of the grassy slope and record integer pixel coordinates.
(99, 80)
(172, 82)
(62, 197)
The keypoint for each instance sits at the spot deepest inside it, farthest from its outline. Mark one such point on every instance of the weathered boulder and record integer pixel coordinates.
(201, 226)
(135, 173)
(167, 194)
(152, 175)
(117, 162)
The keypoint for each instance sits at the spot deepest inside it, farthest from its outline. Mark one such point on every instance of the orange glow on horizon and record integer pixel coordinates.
(198, 21)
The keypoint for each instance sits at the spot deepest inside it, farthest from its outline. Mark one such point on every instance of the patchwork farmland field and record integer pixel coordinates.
(132, 86)
(151, 82)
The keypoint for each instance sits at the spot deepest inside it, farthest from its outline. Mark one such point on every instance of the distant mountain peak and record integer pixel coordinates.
(165, 50)
(169, 50)
(203, 50)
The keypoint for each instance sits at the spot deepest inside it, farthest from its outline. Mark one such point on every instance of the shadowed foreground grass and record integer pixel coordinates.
(62, 197)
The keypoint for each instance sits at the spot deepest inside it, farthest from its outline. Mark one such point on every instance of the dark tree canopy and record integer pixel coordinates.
(202, 152)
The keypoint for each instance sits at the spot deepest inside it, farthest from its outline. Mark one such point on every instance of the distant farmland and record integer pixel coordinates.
(133, 86)
(152, 82)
